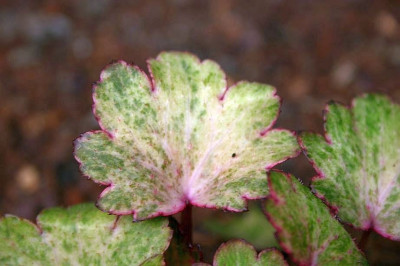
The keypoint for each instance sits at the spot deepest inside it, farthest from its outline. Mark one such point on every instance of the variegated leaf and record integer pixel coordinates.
(82, 235)
(240, 253)
(305, 228)
(358, 163)
(181, 138)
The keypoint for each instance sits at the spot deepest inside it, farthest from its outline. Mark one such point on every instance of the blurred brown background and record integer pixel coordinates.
(52, 51)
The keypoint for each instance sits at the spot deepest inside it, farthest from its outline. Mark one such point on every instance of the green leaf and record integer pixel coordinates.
(250, 226)
(238, 252)
(305, 228)
(359, 163)
(82, 235)
(181, 138)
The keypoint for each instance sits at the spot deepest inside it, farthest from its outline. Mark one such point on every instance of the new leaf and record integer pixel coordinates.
(82, 235)
(358, 163)
(181, 138)
(305, 228)
(240, 253)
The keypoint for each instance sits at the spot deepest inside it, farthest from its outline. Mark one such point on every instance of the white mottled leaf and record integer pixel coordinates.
(358, 163)
(304, 226)
(82, 235)
(181, 138)
(240, 253)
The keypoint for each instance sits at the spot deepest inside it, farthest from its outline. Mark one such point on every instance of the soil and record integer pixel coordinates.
(51, 52)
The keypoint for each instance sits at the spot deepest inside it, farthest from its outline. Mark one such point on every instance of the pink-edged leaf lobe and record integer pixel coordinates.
(181, 137)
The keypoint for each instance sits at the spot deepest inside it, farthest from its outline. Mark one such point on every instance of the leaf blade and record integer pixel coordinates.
(238, 252)
(363, 165)
(81, 235)
(305, 228)
(197, 135)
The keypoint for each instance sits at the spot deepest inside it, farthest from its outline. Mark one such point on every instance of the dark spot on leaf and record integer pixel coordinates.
(233, 155)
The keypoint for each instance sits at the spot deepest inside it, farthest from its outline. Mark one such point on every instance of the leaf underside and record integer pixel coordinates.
(305, 228)
(240, 253)
(181, 138)
(82, 235)
(359, 163)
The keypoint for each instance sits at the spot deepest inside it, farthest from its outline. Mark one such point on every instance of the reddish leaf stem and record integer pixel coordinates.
(187, 225)
(362, 244)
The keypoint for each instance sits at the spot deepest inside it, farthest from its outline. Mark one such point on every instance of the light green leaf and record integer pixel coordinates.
(82, 235)
(175, 141)
(359, 163)
(305, 228)
(251, 226)
(240, 253)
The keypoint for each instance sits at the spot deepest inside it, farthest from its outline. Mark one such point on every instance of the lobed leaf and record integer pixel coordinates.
(240, 253)
(82, 235)
(358, 163)
(305, 228)
(181, 138)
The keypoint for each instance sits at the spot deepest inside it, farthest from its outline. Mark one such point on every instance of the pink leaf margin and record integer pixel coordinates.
(321, 175)
(109, 185)
(279, 230)
(257, 257)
